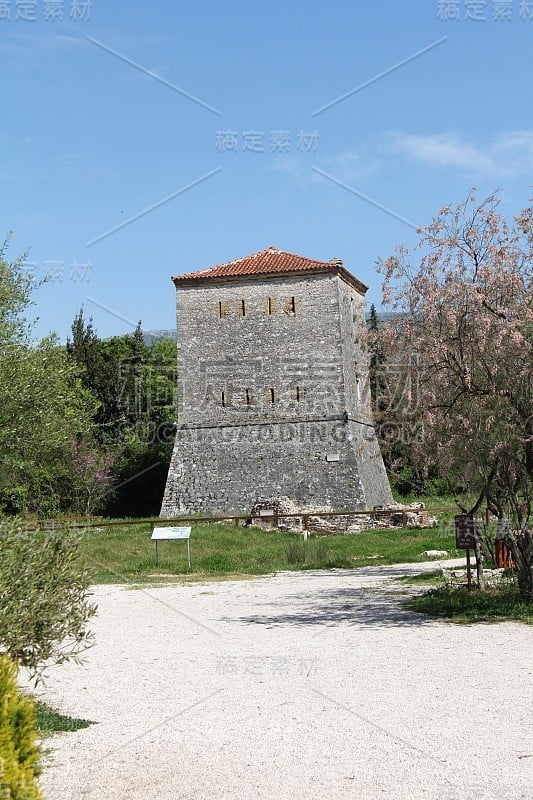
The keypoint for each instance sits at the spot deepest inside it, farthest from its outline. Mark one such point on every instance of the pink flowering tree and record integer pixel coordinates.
(92, 476)
(465, 325)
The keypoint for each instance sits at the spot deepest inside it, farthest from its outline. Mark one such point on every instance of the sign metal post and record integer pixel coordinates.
(166, 533)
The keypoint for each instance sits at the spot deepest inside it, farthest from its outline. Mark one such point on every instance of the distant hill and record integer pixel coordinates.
(151, 336)
(385, 317)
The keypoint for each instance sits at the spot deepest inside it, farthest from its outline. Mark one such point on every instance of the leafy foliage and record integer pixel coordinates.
(44, 606)
(42, 406)
(19, 753)
(313, 554)
(465, 319)
(51, 721)
(396, 414)
(134, 387)
(74, 421)
(15, 289)
(459, 605)
(91, 476)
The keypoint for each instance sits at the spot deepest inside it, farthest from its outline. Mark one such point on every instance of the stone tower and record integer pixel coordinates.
(273, 391)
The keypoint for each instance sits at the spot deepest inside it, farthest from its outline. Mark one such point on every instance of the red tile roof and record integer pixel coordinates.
(268, 262)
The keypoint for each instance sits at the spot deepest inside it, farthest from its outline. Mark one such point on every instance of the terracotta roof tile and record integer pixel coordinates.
(268, 262)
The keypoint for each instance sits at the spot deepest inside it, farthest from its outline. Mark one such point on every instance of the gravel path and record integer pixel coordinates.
(300, 685)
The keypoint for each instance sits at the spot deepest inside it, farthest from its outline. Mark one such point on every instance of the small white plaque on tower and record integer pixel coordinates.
(333, 457)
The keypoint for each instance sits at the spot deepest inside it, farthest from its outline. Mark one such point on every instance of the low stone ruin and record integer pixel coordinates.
(491, 577)
(281, 513)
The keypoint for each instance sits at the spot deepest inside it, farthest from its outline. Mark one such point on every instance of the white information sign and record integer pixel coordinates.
(171, 532)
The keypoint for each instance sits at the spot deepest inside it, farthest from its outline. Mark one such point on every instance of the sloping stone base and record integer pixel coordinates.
(327, 465)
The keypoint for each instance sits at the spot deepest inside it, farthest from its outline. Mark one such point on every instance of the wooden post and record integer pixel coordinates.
(306, 526)
(468, 572)
(478, 550)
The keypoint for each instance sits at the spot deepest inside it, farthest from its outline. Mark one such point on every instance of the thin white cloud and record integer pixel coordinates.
(351, 166)
(64, 36)
(26, 45)
(508, 153)
(347, 166)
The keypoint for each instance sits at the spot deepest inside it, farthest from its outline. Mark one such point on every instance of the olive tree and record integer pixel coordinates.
(44, 596)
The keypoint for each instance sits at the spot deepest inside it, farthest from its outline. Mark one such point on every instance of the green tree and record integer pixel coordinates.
(84, 347)
(16, 287)
(377, 359)
(135, 387)
(45, 607)
(44, 409)
(398, 422)
(148, 404)
(43, 406)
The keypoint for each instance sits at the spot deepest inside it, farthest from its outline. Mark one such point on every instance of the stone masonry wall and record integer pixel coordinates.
(269, 400)
(270, 347)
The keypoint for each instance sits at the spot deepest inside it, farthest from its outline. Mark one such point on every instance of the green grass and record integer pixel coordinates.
(433, 578)
(125, 552)
(457, 604)
(51, 721)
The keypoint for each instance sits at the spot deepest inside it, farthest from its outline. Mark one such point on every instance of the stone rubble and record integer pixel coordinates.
(415, 516)
(492, 577)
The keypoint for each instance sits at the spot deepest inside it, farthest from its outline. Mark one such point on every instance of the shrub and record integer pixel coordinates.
(44, 607)
(50, 721)
(13, 499)
(313, 553)
(296, 551)
(495, 604)
(19, 753)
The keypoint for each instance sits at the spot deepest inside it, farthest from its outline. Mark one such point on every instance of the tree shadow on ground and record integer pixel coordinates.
(378, 606)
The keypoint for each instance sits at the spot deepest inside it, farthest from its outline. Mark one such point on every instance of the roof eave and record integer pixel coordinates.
(340, 271)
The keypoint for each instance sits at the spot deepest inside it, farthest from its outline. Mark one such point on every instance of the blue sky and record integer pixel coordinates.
(235, 142)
